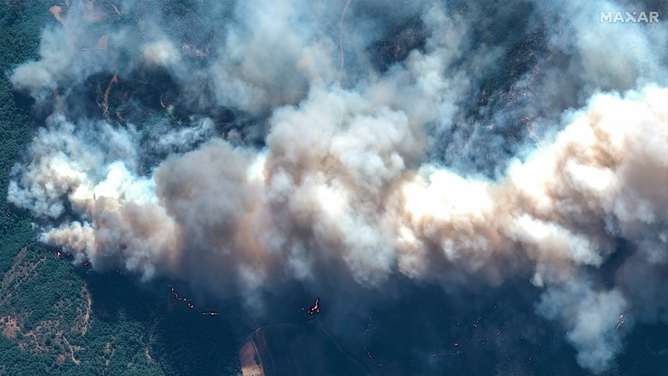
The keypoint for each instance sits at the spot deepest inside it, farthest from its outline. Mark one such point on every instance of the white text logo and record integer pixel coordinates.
(630, 17)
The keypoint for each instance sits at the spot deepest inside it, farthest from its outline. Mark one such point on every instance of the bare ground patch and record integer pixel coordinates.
(56, 10)
(14, 271)
(250, 360)
(72, 351)
(10, 327)
(80, 324)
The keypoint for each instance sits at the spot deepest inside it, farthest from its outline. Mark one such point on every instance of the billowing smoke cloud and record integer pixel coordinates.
(426, 166)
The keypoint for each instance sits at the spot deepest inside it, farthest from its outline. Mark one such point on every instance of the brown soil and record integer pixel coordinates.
(10, 328)
(71, 351)
(247, 355)
(56, 12)
(92, 12)
(105, 105)
(81, 322)
(101, 44)
(113, 6)
(19, 272)
(14, 271)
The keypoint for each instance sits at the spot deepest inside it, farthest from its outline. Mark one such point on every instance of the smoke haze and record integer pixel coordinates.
(464, 145)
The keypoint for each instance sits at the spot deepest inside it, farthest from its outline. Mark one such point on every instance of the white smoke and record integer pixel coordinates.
(335, 187)
(345, 181)
(591, 317)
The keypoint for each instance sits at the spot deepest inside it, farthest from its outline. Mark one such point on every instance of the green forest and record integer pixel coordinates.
(57, 319)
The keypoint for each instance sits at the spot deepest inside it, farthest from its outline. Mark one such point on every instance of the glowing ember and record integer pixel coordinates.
(621, 319)
(190, 304)
(456, 353)
(368, 327)
(316, 307)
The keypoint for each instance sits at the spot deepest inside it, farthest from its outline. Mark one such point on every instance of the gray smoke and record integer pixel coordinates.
(435, 166)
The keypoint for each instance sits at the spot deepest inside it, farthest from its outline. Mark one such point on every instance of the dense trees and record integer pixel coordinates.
(57, 319)
(19, 41)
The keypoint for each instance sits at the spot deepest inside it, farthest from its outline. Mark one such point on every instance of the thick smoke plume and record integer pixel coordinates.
(426, 164)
